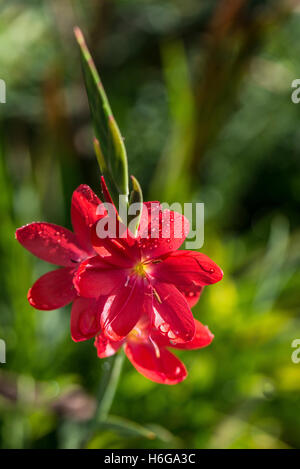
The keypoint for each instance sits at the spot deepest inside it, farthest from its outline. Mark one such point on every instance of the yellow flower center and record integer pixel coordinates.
(140, 270)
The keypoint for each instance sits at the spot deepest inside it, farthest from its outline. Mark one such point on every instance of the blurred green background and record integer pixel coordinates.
(202, 93)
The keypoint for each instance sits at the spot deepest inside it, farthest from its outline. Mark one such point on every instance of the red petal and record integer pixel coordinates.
(105, 347)
(106, 194)
(166, 232)
(52, 243)
(172, 315)
(186, 269)
(122, 311)
(85, 318)
(53, 290)
(83, 214)
(191, 295)
(149, 209)
(202, 338)
(96, 277)
(123, 250)
(159, 365)
(122, 234)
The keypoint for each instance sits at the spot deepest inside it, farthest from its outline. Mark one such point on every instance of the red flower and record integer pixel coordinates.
(148, 351)
(141, 275)
(59, 246)
(119, 279)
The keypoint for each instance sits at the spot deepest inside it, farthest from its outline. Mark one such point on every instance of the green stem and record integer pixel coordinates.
(108, 385)
(107, 389)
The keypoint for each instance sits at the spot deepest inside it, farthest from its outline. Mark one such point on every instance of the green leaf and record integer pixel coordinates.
(127, 427)
(136, 197)
(163, 434)
(110, 148)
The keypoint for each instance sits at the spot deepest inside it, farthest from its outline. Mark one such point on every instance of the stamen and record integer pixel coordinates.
(127, 281)
(156, 295)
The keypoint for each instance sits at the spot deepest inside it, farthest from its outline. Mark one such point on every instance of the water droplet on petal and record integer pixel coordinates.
(171, 335)
(164, 328)
(209, 271)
